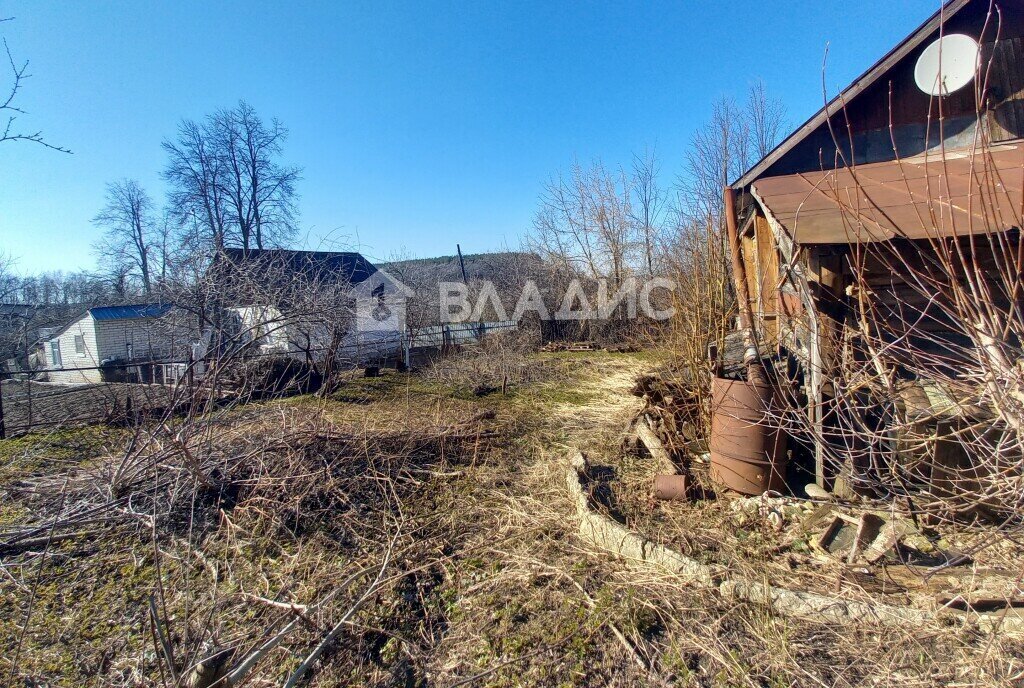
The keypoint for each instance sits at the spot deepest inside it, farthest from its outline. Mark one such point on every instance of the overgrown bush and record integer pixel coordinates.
(272, 376)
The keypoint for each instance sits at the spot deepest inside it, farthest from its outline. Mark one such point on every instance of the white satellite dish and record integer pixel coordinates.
(947, 65)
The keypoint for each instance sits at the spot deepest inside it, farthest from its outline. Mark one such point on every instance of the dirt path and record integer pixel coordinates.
(603, 401)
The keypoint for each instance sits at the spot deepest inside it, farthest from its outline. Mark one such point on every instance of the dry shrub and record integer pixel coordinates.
(499, 361)
(915, 387)
(231, 521)
(704, 308)
(465, 545)
(271, 376)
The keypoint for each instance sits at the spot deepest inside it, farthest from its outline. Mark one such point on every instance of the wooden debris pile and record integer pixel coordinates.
(674, 411)
(818, 545)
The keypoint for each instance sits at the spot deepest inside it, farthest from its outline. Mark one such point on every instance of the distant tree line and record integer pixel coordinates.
(57, 288)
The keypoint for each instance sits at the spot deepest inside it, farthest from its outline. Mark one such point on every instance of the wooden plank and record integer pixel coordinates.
(1006, 120)
(657, 450)
(749, 251)
(768, 278)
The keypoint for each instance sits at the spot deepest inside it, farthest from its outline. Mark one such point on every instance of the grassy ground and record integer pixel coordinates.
(484, 584)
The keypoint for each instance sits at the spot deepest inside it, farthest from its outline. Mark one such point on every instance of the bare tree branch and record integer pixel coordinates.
(7, 107)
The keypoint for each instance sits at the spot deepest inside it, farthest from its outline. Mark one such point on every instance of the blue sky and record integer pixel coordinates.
(418, 125)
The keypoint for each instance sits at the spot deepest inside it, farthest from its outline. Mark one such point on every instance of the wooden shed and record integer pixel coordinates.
(908, 184)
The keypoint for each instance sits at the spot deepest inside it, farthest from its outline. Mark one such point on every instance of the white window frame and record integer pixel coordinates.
(55, 357)
(80, 350)
(174, 373)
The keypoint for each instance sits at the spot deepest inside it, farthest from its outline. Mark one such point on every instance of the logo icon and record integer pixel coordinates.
(380, 303)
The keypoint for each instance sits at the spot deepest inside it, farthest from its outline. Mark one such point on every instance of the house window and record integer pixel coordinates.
(80, 344)
(55, 353)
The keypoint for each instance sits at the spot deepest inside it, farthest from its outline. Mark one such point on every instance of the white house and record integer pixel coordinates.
(272, 300)
(111, 338)
(270, 317)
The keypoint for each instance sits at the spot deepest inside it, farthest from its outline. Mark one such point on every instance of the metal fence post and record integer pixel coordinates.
(28, 416)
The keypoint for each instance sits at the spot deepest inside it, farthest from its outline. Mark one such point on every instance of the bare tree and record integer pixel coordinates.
(126, 219)
(597, 223)
(734, 138)
(260, 192)
(163, 237)
(716, 154)
(195, 174)
(585, 222)
(8, 108)
(766, 120)
(649, 206)
(9, 283)
(227, 186)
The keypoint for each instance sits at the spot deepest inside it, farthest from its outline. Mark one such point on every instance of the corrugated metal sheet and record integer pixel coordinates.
(917, 198)
(457, 333)
(130, 312)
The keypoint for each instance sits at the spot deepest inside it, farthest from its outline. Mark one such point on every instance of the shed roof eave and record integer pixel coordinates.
(945, 194)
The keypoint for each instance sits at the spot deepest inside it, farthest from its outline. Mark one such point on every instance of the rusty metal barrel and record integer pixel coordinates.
(747, 448)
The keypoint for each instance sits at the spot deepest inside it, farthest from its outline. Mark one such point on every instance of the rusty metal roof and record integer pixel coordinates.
(954, 193)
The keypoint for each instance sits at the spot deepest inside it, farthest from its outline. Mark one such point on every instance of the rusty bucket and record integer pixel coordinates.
(672, 487)
(747, 452)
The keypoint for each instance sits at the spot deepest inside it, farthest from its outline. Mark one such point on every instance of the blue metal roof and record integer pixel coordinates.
(138, 310)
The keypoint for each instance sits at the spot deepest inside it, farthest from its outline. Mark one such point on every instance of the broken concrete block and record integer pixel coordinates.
(815, 492)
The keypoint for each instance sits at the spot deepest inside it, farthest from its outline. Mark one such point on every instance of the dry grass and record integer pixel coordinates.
(456, 504)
